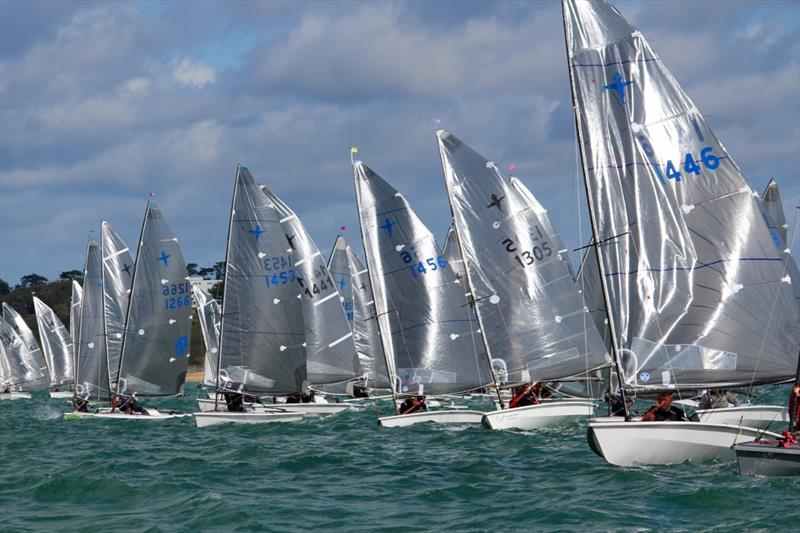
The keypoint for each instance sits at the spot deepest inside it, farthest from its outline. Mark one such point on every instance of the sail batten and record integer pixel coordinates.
(697, 294)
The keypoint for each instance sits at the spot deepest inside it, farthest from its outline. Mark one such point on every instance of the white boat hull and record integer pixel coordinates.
(61, 394)
(545, 415)
(762, 458)
(105, 413)
(206, 419)
(753, 416)
(309, 409)
(439, 417)
(661, 443)
(15, 395)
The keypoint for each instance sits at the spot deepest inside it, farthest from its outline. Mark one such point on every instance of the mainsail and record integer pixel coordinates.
(365, 322)
(210, 317)
(158, 329)
(20, 327)
(117, 276)
(22, 367)
(262, 336)
(331, 355)
(91, 363)
(427, 326)
(696, 287)
(56, 344)
(75, 321)
(532, 317)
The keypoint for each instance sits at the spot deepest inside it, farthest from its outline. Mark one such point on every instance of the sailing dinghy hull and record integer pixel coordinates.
(308, 409)
(544, 415)
(767, 458)
(15, 395)
(459, 417)
(752, 416)
(61, 394)
(152, 415)
(248, 417)
(662, 443)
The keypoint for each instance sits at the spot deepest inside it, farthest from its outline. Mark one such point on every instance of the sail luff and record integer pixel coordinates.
(225, 280)
(592, 211)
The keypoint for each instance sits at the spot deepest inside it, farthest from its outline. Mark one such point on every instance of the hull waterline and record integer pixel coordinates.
(458, 417)
(545, 415)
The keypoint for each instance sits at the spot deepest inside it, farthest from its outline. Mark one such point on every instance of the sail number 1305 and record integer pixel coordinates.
(528, 257)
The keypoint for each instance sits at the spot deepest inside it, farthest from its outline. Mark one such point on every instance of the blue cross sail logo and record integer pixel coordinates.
(257, 231)
(341, 284)
(388, 225)
(619, 86)
(164, 257)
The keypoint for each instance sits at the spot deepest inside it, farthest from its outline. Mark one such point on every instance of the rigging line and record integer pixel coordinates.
(591, 244)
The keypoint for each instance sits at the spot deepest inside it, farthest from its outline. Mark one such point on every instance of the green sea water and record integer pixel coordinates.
(345, 473)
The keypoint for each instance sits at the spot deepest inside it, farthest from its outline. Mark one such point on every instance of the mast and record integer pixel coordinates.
(130, 301)
(593, 221)
(224, 282)
(371, 283)
(76, 341)
(472, 304)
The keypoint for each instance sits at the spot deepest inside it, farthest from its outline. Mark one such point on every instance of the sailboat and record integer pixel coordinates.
(56, 345)
(428, 330)
(117, 275)
(695, 289)
(22, 370)
(776, 457)
(262, 335)
(91, 363)
(210, 316)
(533, 320)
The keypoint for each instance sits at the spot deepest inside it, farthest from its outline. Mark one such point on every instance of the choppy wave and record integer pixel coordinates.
(346, 473)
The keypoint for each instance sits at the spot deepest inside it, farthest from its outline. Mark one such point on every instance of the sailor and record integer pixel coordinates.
(718, 399)
(293, 398)
(7, 389)
(664, 410)
(234, 401)
(129, 406)
(525, 395)
(81, 404)
(415, 404)
(307, 397)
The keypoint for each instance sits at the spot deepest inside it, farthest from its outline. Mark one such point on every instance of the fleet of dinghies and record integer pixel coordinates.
(688, 286)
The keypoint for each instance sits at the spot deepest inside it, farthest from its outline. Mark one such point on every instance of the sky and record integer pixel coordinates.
(103, 103)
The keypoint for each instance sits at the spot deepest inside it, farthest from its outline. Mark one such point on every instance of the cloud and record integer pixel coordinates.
(102, 103)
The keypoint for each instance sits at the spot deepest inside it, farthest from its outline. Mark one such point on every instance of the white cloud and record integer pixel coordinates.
(194, 73)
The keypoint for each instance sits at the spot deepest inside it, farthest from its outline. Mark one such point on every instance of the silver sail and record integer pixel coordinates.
(210, 317)
(339, 269)
(158, 329)
(588, 282)
(451, 251)
(696, 287)
(331, 355)
(544, 219)
(117, 276)
(776, 218)
(262, 336)
(427, 327)
(56, 344)
(91, 365)
(533, 318)
(20, 369)
(365, 322)
(75, 321)
(31, 356)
